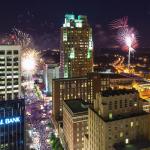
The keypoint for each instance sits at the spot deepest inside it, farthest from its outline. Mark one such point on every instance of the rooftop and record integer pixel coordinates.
(121, 116)
(136, 145)
(126, 115)
(77, 105)
(117, 76)
(111, 92)
(70, 79)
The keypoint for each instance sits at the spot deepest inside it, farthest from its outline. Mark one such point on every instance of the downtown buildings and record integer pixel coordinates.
(84, 88)
(76, 60)
(117, 121)
(115, 115)
(12, 107)
(76, 49)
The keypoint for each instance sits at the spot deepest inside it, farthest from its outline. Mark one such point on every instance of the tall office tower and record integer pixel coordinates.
(75, 118)
(77, 88)
(76, 51)
(12, 125)
(10, 73)
(117, 122)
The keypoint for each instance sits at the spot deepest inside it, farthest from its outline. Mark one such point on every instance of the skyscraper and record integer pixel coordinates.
(76, 51)
(10, 73)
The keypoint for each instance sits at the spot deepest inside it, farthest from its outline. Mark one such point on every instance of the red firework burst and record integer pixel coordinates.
(119, 23)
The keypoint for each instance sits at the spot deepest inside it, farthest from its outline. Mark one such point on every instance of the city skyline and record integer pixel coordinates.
(74, 75)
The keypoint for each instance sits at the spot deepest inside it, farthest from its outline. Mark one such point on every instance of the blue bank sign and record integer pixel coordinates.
(9, 120)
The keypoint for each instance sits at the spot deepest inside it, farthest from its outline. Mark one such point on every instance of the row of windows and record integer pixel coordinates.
(2, 52)
(119, 104)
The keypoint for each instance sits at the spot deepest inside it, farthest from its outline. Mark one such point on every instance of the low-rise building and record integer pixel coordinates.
(117, 121)
(75, 117)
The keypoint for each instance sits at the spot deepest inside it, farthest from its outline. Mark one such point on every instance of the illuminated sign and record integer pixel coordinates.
(9, 120)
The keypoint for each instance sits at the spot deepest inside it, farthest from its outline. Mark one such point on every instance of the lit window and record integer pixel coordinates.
(127, 141)
(131, 124)
(135, 104)
(110, 116)
(121, 134)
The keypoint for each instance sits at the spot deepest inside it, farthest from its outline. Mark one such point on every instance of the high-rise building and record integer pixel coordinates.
(117, 122)
(75, 118)
(12, 125)
(10, 73)
(77, 88)
(76, 51)
(51, 71)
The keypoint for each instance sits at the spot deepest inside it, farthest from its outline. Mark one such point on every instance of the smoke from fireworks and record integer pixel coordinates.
(30, 59)
(22, 38)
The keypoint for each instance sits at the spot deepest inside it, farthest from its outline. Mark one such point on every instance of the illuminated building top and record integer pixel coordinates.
(70, 21)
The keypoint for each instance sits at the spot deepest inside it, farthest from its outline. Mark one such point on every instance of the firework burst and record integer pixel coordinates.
(119, 23)
(30, 58)
(22, 38)
(126, 36)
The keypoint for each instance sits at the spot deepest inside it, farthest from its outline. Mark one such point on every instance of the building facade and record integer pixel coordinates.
(12, 125)
(10, 72)
(117, 122)
(75, 117)
(77, 88)
(76, 51)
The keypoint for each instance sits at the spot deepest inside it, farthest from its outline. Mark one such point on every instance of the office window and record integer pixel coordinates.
(110, 105)
(127, 141)
(121, 134)
(130, 103)
(120, 103)
(115, 104)
(125, 103)
(110, 116)
(131, 123)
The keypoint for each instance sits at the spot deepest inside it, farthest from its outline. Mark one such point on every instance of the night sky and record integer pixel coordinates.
(43, 18)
